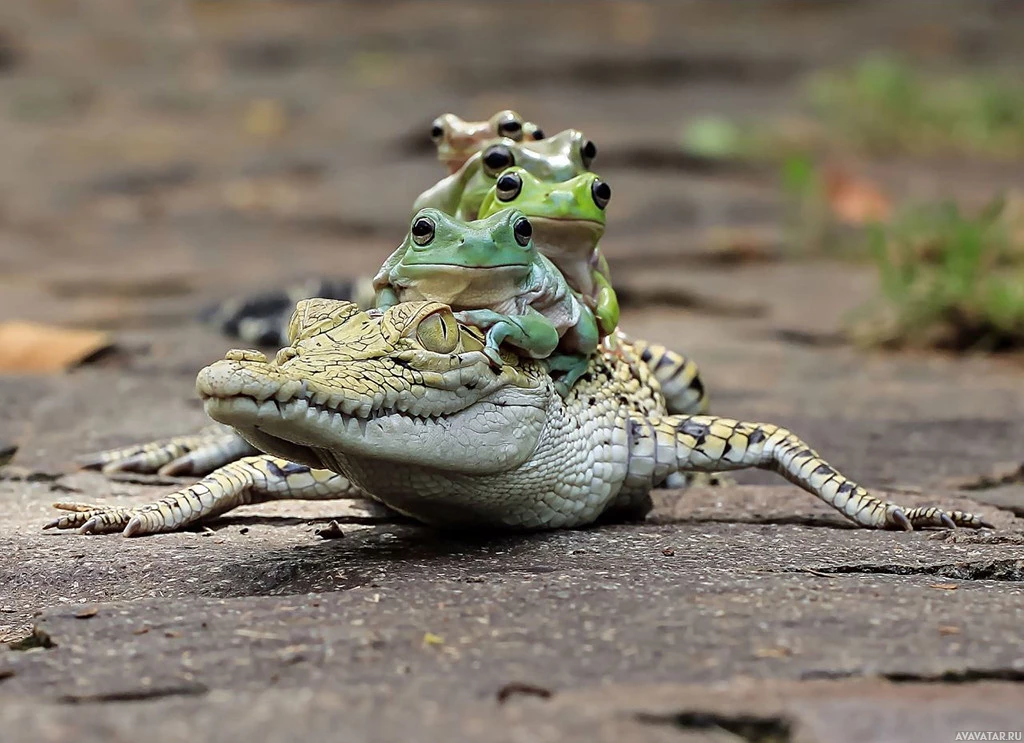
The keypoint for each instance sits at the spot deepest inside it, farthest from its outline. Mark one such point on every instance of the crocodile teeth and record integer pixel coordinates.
(289, 390)
(267, 409)
(349, 407)
(320, 397)
(296, 410)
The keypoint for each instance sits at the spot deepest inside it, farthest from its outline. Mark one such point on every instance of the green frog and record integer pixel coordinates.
(568, 220)
(557, 158)
(490, 272)
(458, 140)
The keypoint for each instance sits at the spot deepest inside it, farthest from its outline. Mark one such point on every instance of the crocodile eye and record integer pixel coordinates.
(510, 125)
(523, 231)
(436, 131)
(588, 152)
(438, 332)
(422, 230)
(508, 186)
(601, 192)
(496, 158)
(538, 134)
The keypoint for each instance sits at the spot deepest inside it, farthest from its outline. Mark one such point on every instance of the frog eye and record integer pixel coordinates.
(422, 230)
(436, 131)
(496, 158)
(588, 152)
(438, 332)
(601, 192)
(508, 186)
(510, 125)
(538, 134)
(523, 231)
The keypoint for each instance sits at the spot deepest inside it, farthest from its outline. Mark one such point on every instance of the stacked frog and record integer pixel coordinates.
(509, 239)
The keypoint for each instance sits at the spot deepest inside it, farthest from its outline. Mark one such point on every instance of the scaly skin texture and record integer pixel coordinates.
(558, 158)
(457, 140)
(568, 221)
(491, 273)
(374, 396)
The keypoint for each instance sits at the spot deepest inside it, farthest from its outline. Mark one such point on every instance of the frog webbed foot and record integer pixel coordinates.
(496, 326)
(566, 369)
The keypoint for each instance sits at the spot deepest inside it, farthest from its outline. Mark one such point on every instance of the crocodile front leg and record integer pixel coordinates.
(704, 443)
(249, 480)
(192, 454)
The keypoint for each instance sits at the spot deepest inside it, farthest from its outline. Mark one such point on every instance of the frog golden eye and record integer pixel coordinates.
(496, 158)
(523, 231)
(436, 131)
(588, 152)
(422, 230)
(511, 128)
(438, 332)
(601, 192)
(538, 134)
(508, 186)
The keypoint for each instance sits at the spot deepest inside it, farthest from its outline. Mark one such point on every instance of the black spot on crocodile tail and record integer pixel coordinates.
(756, 436)
(699, 431)
(291, 468)
(646, 355)
(846, 487)
(664, 361)
(823, 469)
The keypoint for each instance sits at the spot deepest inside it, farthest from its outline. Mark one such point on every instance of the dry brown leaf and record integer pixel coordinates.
(86, 613)
(944, 586)
(33, 347)
(854, 200)
(776, 652)
(949, 629)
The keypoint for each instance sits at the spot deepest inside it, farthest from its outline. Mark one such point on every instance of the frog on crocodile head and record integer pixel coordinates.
(557, 158)
(458, 140)
(568, 220)
(490, 273)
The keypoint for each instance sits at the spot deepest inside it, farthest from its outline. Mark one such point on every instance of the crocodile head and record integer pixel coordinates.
(408, 385)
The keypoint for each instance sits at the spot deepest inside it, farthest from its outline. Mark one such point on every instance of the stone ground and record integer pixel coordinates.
(140, 182)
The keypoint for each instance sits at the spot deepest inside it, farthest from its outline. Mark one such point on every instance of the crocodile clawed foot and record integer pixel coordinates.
(192, 454)
(931, 516)
(92, 519)
(917, 518)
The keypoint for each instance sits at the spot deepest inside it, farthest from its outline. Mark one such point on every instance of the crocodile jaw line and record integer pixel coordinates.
(473, 439)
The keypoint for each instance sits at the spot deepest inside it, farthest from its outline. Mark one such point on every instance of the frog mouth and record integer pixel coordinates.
(558, 227)
(418, 270)
(568, 236)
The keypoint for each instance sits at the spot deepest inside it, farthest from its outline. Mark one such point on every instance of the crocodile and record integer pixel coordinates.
(361, 402)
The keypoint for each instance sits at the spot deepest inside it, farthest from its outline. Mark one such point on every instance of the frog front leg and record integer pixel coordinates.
(606, 304)
(531, 332)
(385, 298)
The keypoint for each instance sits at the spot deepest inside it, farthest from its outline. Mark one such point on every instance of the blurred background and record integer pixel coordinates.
(842, 170)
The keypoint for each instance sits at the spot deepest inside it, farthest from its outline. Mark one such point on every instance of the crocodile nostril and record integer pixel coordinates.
(285, 355)
(245, 355)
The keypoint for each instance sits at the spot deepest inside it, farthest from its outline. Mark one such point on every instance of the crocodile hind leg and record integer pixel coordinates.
(705, 443)
(684, 393)
(678, 376)
(192, 454)
(249, 480)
